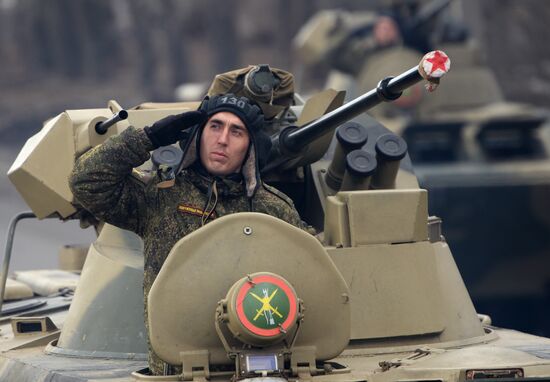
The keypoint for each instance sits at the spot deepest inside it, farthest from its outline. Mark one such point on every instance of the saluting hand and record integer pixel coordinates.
(170, 129)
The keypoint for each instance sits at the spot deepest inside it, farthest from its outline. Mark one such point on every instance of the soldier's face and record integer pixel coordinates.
(224, 144)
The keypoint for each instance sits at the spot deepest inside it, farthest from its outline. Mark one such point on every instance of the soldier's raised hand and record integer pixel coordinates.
(170, 129)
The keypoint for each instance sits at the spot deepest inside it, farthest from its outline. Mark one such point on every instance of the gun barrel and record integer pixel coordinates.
(388, 89)
(102, 127)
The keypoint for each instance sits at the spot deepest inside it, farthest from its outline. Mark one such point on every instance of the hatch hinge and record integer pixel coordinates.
(195, 365)
(302, 362)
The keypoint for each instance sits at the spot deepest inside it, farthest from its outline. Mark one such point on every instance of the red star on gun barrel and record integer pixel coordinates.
(438, 61)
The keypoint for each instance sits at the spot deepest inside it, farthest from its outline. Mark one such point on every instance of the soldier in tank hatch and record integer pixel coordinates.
(218, 175)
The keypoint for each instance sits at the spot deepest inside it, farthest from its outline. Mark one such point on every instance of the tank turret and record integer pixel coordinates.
(472, 148)
(375, 295)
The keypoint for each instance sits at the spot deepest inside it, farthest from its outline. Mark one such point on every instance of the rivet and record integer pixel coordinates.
(247, 230)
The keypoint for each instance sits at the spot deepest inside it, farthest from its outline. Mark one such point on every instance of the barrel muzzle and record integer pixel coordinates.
(350, 136)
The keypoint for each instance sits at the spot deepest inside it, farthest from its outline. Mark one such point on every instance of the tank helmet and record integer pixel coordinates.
(250, 114)
(252, 117)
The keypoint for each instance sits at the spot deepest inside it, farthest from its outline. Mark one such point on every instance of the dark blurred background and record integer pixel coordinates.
(63, 54)
(60, 54)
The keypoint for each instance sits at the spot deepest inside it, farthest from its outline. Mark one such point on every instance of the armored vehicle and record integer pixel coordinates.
(485, 161)
(374, 296)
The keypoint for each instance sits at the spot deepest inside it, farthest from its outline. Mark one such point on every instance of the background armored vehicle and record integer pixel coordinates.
(485, 161)
(376, 296)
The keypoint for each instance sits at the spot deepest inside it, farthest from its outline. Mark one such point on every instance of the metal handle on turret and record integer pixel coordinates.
(102, 127)
(431, 68)
(7, 251)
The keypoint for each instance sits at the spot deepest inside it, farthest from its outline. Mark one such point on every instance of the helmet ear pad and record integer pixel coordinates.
(250, 172)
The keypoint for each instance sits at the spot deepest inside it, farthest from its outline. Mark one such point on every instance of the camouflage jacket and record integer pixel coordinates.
(103, 183)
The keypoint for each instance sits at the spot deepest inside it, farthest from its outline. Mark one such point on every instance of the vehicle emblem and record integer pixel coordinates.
(266, 305)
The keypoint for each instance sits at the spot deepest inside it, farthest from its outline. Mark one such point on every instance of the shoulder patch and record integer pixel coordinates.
(279, 194)
(196, 211)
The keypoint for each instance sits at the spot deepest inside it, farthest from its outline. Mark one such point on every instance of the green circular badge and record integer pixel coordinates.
(266, 305)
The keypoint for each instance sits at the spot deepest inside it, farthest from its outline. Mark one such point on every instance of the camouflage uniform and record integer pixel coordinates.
(102, 182)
